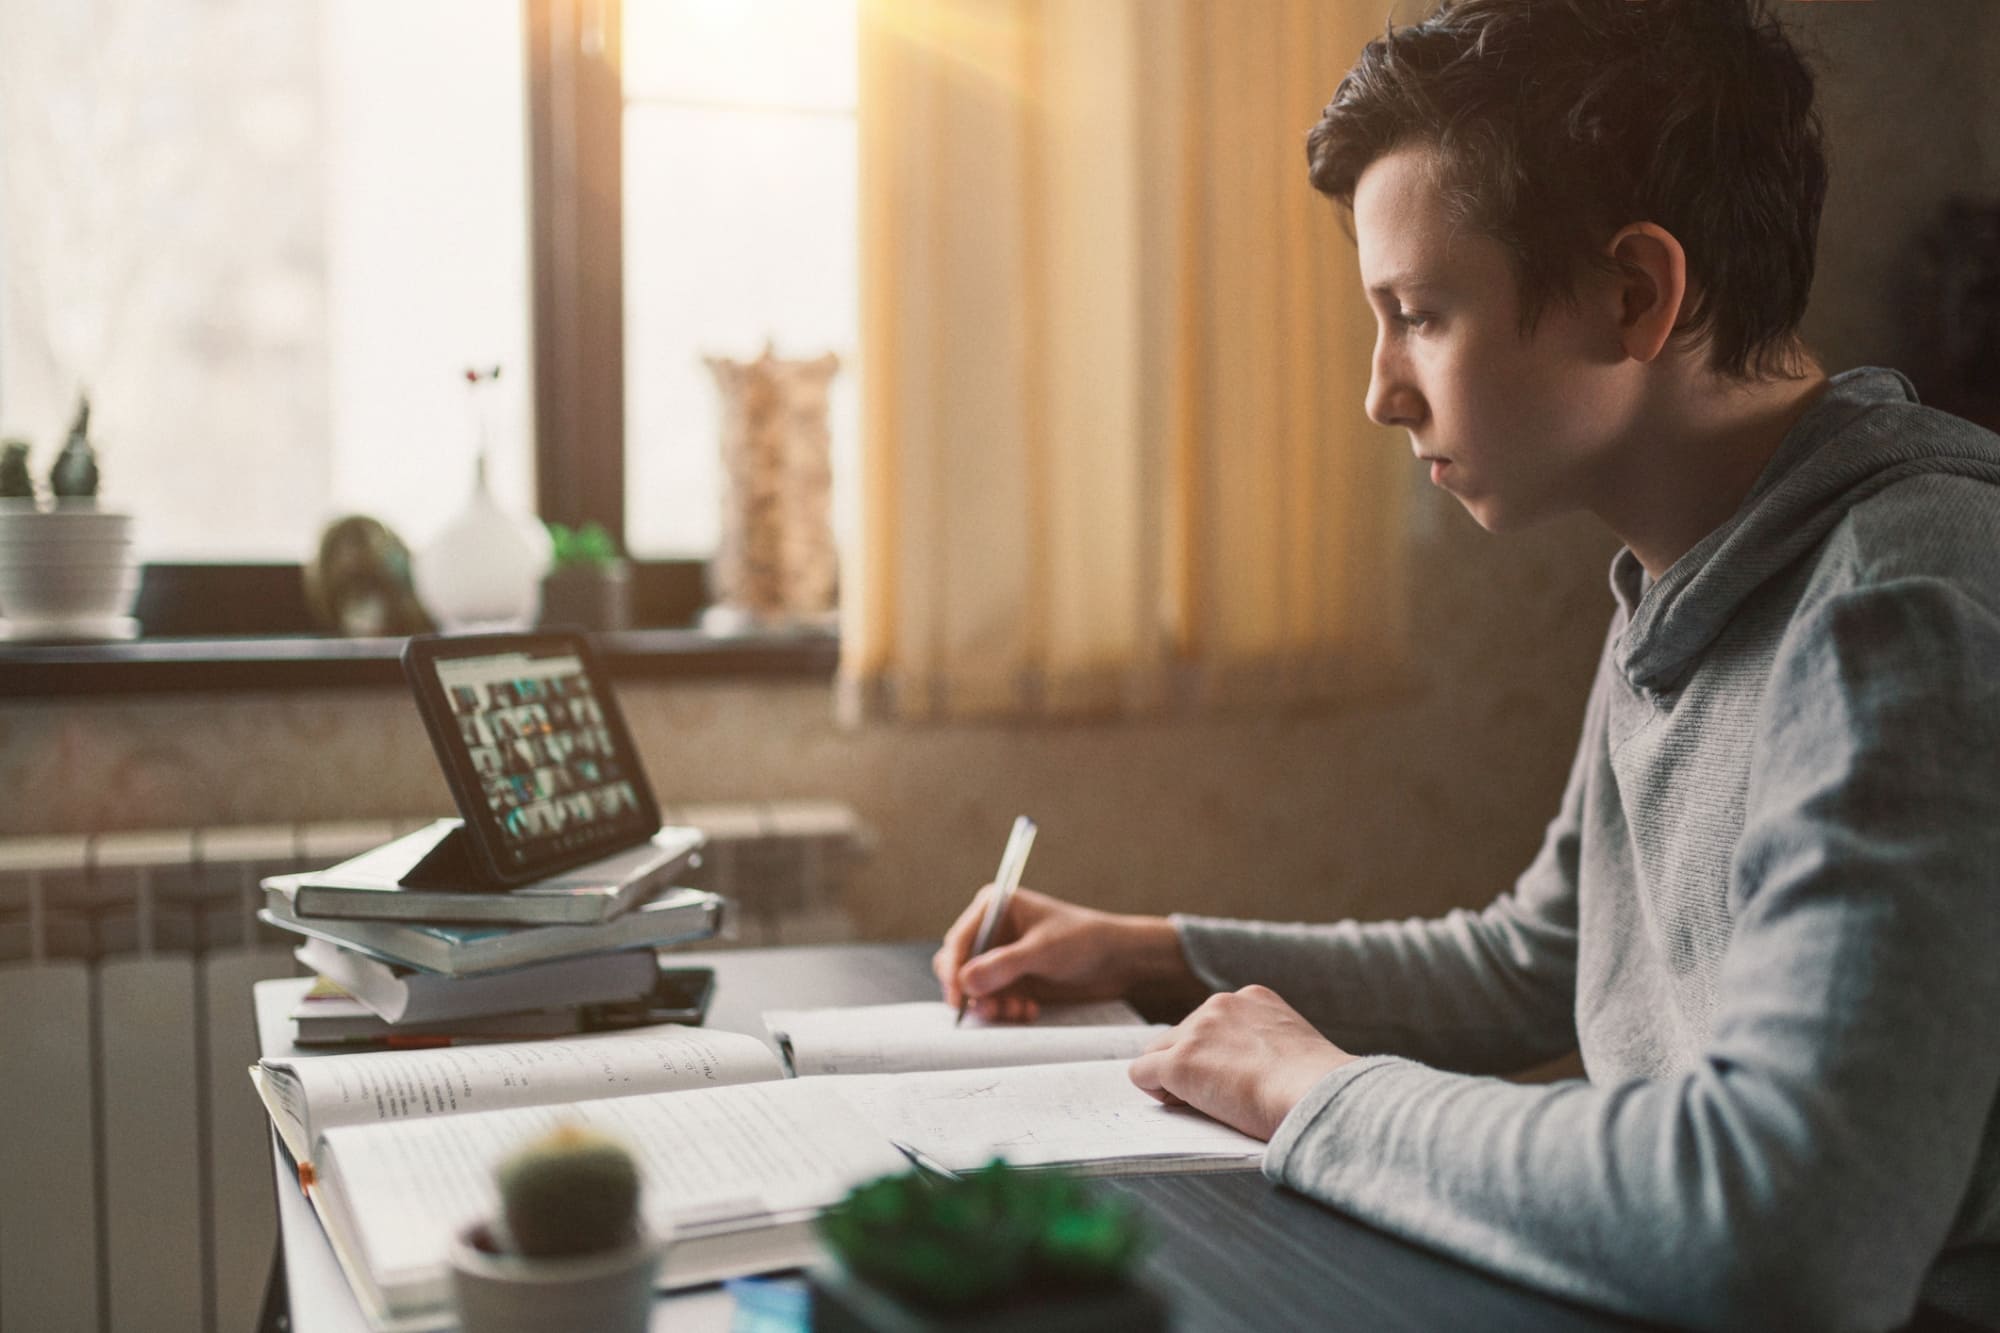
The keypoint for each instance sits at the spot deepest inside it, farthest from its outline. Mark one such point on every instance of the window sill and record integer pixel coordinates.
(211, 665)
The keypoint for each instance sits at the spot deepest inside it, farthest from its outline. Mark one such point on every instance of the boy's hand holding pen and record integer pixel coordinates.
(1012, 948)
(1013, 860)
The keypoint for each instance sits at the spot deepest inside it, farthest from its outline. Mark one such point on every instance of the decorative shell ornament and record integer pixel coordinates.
(358, 585)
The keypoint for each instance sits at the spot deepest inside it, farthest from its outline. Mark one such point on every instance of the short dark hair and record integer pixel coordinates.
(1557, 122)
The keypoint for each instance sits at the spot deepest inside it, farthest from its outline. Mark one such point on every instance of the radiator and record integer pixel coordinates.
(135, 1184)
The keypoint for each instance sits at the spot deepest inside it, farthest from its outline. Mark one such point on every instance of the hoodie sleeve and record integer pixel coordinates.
(1808, 1170)
(1491, 991)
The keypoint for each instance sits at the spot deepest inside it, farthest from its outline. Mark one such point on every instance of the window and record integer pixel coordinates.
(269, 238)
(266, 239)
(740, 229)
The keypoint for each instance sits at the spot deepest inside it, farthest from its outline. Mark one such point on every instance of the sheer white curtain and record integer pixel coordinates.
(1115, 457)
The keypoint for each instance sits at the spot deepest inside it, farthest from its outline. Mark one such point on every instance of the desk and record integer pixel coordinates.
(1233, 1252)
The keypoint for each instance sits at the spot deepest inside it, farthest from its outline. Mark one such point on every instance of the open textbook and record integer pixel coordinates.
(398, 1147)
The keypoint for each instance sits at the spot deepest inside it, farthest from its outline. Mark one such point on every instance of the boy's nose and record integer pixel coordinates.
(1393, 401)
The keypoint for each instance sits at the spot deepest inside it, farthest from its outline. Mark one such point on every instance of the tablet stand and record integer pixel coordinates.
(448, 865)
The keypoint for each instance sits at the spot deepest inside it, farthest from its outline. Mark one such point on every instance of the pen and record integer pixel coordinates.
(926, 1164)
(1012, 860)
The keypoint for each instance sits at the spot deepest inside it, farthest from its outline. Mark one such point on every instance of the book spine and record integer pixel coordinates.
(693, 921)
(328, 903)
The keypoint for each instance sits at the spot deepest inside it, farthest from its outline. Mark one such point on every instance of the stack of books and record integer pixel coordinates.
(434, 965)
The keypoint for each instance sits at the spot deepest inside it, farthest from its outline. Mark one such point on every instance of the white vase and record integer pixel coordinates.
(484, 570)
(508, 1293)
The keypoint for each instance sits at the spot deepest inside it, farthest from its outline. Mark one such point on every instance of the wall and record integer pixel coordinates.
(1399, 807)
(1913, 117)
(1385, 807)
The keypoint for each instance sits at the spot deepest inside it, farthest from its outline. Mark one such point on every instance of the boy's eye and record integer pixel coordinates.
(1411, 320)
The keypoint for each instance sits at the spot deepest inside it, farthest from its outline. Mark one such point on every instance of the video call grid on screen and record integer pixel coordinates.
(536, 736)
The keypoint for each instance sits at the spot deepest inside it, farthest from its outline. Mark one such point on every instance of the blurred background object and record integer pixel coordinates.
(1958, 310)
(776, 563)
(359, 585)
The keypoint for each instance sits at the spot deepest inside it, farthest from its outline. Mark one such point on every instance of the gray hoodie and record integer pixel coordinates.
(1767, 913)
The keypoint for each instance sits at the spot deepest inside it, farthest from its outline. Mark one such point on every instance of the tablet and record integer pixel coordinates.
(534, 748)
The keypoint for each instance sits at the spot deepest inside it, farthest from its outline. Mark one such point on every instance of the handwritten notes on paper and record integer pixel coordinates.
(1079, 1114)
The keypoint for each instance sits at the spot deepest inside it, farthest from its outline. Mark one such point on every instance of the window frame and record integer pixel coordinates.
(576, 153)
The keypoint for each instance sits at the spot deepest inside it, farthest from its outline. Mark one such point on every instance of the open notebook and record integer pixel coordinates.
(898, 1038)
(398, 1147)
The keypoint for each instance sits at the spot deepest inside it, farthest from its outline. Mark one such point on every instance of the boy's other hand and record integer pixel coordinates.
(1047, 950)
(1244, 1057)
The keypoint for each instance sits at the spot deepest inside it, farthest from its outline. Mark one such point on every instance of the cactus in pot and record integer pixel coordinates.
(573, 1192)
(71, 570)
(568, 1250)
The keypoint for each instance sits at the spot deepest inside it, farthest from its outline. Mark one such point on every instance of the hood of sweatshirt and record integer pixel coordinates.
(1864, 433)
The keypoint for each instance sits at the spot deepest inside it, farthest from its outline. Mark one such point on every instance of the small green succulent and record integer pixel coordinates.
(74, 476)
(589, 545)
(571, 1192)
(995, 1234)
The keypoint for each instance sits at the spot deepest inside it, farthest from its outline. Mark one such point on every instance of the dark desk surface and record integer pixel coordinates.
(1234, 1252)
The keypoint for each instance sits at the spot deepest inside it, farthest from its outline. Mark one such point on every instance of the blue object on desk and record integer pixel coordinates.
(770, 1305)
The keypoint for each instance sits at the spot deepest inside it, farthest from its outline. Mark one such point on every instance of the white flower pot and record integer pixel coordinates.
(66, 572)
(508, 1293)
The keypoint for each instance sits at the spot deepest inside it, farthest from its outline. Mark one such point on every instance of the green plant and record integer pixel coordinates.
(572, 1191)
(74, 476)
(16, 483)
(589, 546)
(996, 1234)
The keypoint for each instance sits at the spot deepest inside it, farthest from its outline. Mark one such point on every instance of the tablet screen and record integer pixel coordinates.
(542, 746)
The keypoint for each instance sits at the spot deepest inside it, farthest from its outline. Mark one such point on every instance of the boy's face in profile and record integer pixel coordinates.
(1517, 428)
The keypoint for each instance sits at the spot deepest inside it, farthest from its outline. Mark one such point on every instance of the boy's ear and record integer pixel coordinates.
(1652, 285)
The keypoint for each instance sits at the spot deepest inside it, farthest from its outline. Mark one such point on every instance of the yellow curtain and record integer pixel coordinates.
(1114, 350)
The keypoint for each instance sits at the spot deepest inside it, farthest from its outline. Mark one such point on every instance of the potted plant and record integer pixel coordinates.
(1000, 1250)
(589, 582)
(569, 1249)
(67, 566)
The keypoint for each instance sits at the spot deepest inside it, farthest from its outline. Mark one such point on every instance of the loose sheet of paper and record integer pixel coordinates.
(892, 1038)
(1039, 1115)
(400, 1085)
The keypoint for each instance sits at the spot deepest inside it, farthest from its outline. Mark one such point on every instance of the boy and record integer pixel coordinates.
(1768, 910)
